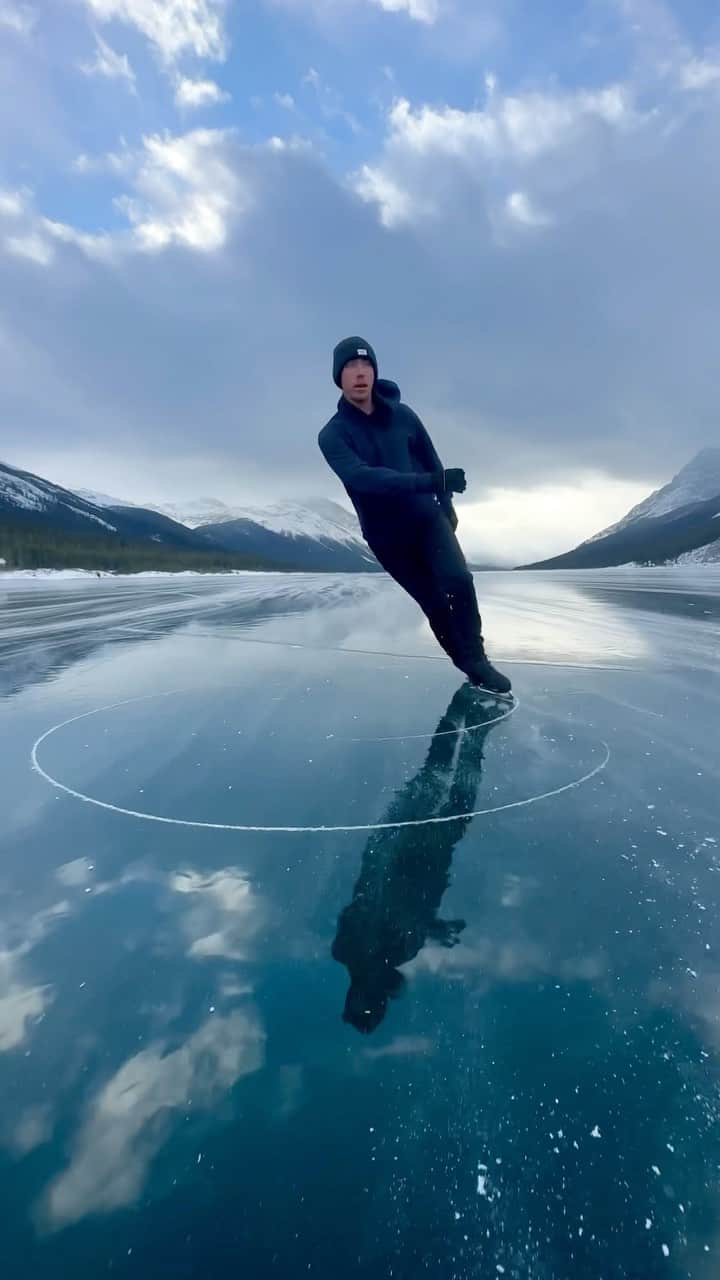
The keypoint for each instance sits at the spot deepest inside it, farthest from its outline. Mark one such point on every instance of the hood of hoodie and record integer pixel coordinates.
(386, 392)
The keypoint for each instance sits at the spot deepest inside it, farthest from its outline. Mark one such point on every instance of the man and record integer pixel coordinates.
(402, 494)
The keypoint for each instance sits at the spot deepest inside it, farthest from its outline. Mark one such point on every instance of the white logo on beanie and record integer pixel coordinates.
(362, 351)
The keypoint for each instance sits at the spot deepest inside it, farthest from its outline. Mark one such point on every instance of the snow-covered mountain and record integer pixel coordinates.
(709, 554)
(313, 518)
(44, 525)
(195, 511)
(677, 524)
(682, 536)
(32, 500)
(192, 514)
(104, 499)
(316, 518)
(27, 495)
(313, 535)
(696, 482)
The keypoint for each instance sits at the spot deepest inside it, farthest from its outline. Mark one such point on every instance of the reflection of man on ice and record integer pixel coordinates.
(402, 494)
(406, 870)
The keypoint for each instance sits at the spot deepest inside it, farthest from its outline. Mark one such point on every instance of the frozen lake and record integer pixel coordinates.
(313, 962)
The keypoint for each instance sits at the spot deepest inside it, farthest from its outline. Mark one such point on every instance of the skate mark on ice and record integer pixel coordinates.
(279, 830)
(444, 733)
(619, 702)
(218, 634)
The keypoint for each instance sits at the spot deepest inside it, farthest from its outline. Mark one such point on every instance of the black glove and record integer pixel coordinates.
(455, 481)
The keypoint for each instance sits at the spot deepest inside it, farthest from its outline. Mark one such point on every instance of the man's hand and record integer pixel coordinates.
(455, 481)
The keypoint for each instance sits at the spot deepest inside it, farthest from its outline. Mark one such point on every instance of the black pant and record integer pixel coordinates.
(427, 560)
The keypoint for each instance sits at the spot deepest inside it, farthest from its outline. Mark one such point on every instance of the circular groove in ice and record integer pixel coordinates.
(444, 733)
(279, 830)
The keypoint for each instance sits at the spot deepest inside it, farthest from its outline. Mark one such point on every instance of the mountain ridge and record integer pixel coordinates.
(687, 536)
(697, 481)
(317, 534)
(40, 518)
(42, 524)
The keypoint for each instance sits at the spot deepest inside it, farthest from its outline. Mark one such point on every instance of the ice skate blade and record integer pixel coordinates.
(491, 693)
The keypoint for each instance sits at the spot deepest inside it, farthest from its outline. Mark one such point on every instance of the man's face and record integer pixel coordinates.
(357, 379)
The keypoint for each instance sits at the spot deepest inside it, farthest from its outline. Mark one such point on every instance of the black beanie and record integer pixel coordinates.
(351, 349)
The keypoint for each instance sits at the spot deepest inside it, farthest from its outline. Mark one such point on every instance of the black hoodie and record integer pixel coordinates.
(387, 462)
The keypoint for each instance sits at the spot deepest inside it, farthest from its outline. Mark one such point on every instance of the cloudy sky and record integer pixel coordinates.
(517, 203)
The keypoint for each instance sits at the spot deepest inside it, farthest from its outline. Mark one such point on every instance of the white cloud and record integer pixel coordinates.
(186, 192)
(21, 1004)
(401, 1047)
(330, 102)
(426, 11)
(509, 960)
(96, 245)
(32, 246)
(521, 209)
(396, 205)
(32, 1128)
(108, 63)
(198, 93)
(75, 874)
(517, 525)
(25, 238)
(699, 73)
(522, 126)
(32, 235)
(17, 17)
(225, 912)
(284, 100)
(183, 189)
(294, 143)
(127, 1122)
(428, 149)
(536, 355)
(118, 162)
(174, 27)
(12, 203)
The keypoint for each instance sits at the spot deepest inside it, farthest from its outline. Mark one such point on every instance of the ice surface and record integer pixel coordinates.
(441, 1045)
